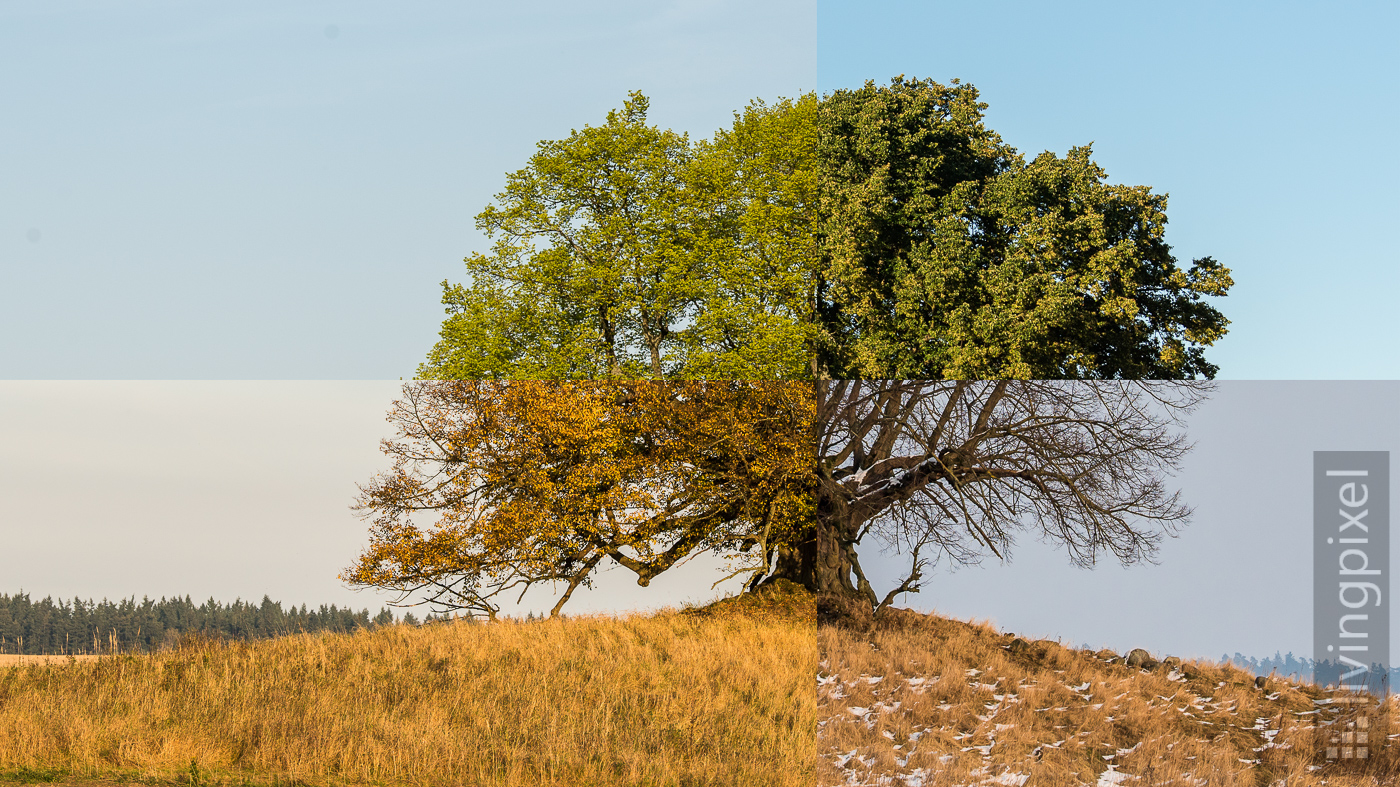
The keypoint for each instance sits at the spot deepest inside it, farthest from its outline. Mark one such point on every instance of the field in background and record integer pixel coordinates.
(11, 660)
(912, 699)
(715, 696)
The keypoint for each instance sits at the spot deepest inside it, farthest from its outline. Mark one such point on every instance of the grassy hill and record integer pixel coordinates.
(721, 696)
(921, 700)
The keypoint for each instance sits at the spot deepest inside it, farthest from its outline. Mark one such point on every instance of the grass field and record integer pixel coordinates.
(923, 700)
(12, 660)
(718, 696)
(746, 692)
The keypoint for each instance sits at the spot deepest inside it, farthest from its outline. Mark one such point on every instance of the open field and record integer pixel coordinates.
(721, 697)
(920, 700)
(10, 659)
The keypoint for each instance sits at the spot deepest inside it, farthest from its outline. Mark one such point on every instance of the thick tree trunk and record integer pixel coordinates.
(825, 561)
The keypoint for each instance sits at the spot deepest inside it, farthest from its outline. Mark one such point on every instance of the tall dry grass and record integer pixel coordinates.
(923, 700)
(722, 697)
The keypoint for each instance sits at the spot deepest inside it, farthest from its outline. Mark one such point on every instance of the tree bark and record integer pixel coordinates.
(824, 560)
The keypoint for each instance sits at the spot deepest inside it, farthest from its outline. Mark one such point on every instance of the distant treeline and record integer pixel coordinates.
(1283, 666)
(1286, 666)
(81, 627)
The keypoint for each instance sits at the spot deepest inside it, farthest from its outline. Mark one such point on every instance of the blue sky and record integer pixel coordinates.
(259, 190)
(272, 190)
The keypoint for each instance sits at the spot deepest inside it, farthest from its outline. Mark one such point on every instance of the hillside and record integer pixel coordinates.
(720, 696)
(911, 699)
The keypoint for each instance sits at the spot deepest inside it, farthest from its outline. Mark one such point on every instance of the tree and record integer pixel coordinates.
(946, 256)
(952, 468)
(935, 252)
(539, 481)
(626, 251)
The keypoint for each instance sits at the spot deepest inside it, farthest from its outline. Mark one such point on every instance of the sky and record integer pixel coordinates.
(262, 192)
(223, 489)
(269, 191)
(1238, 578)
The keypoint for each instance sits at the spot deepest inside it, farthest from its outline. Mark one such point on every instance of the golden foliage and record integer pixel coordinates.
(539, 480)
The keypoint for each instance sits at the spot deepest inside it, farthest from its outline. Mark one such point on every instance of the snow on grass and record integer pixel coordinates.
(948, 704)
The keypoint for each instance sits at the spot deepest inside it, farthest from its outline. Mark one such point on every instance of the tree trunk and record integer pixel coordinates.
(824, 561)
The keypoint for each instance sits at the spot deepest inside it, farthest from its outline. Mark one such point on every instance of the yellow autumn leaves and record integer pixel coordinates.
(537, 481)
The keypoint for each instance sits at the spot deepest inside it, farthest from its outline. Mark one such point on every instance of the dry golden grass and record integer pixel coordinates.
(678, 698)
(922, 700)
(10, 659)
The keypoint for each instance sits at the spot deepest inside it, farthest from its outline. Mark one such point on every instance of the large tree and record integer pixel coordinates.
(880, 233)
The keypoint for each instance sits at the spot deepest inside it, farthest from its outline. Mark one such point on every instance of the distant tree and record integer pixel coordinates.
(89, 626)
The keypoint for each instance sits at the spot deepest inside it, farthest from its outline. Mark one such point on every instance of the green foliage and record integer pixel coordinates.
(629, 251)
(882, 232)
(946, 255)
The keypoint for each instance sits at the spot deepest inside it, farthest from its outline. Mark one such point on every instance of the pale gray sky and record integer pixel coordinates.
(1239, 578)
(212, 488)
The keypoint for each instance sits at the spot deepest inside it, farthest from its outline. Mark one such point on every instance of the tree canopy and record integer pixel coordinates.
(538, 481)
(128, 625)
(945, 255)
(627, 251)
(950, 468)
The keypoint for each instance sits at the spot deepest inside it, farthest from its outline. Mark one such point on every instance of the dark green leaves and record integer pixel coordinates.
(946, 255)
